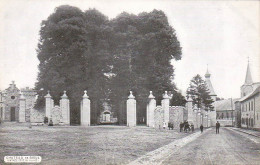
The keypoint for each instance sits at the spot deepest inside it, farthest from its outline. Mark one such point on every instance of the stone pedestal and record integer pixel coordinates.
(85, 110)
(48, 105)
(209, 123)
(22, 106)
(166, 107)
(190, 110)
(65, 109)
(131, 110)
(150, 110)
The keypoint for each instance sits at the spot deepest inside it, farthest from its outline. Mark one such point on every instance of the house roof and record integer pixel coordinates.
(257, 90)
(222, 105)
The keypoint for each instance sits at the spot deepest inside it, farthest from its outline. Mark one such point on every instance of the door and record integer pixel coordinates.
(12, 113)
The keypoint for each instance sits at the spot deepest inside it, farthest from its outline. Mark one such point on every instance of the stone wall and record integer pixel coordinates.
(158, 117)
(177, 115)
(36, 116)
(56, 115)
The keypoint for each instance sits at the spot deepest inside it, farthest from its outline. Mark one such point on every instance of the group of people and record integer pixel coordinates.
(186, 127)
(217, 127)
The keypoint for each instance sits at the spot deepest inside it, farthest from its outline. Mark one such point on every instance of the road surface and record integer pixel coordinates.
(228, 147)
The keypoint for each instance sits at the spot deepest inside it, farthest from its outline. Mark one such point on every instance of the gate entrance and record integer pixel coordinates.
(12, 113)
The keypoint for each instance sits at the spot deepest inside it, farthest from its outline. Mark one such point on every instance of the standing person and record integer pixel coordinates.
(181, 126)
(192, 127)
(201, 128)
(217, 127)
(164, 125)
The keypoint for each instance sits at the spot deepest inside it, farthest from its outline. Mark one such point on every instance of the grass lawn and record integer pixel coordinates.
(82, 145)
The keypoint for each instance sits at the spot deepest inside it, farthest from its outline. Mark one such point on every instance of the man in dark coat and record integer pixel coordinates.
(181, 126)
(201, 128)
(217, 127)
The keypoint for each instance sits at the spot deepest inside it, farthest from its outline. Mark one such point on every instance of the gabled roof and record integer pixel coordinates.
(254, 92)
(222, 105)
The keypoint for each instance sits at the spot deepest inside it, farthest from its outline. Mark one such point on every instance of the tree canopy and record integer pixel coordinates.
(200, 93)
(86, 51)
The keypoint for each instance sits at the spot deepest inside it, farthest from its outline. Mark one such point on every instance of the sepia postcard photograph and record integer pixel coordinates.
(130, 82)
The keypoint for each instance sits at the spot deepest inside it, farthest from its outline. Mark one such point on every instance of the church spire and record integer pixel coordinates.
(207, 75)
(248, 79)
(208, 83)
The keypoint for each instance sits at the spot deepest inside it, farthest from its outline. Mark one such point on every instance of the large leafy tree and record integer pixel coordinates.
(143, 48)
(84, 50)
(200, 93)
(73, 56)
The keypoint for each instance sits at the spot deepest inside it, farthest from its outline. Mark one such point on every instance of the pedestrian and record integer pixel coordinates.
(192, 127)
(201, 128)
(164, 125)
(217, 127)
(181, 125)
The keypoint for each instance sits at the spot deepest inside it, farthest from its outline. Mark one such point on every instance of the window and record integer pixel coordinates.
(252, 107)
(222, 115)
(13, 97)
(227, 115)
(248, 106)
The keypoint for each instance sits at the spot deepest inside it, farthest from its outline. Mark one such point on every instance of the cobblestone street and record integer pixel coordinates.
(228, 147)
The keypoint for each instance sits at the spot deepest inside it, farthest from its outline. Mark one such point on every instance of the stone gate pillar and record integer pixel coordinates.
(166, 107)
(48, 105)
(65, 109)
(150, 110)
(22, 106)
(190, 110)
(85, 110)
(131, 110)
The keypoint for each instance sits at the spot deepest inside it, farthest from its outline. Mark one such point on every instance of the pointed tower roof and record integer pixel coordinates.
(248, 79)
(208, 83)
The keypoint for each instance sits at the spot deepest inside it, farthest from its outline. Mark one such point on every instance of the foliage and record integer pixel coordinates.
(143, 48)
(200, 93)
(72, 54)
(178, 99)
(85, 51)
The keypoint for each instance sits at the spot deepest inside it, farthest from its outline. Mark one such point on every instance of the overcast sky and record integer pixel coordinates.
(221, 34)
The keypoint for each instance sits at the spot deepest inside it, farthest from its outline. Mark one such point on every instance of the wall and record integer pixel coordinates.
(36, 116)
(177, 115)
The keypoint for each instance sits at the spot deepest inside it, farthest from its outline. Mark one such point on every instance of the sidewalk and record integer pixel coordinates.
(159, 155)
(247, 131)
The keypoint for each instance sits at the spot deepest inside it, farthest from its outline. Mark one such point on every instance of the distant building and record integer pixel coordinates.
(107, 116)
(250, 110)
(9, 102)
(225, 109)
(248, 106)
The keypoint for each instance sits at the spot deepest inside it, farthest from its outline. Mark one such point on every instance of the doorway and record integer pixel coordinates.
(12, 113)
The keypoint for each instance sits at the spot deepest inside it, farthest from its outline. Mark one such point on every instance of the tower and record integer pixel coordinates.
(211, 114)
(247, 87)
(209, 85)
